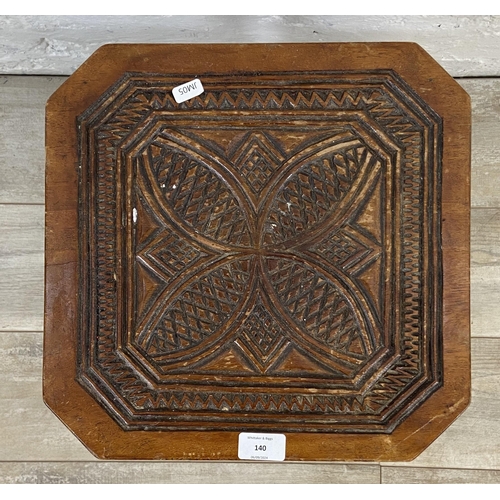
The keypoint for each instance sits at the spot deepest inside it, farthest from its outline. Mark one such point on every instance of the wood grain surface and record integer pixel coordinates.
(57, 45)
(485, 96)
(485, 272)
(185, 473)
(36, 447)
(29, 430)
(22, 115)
(21, 267)
(436, 475)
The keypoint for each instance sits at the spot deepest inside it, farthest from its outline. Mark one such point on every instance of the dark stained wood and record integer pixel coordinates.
(287, 252)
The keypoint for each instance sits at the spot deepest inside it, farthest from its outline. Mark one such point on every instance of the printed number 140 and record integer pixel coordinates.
(260, 447)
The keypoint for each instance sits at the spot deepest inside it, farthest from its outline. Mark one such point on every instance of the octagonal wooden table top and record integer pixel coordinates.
(286, 252)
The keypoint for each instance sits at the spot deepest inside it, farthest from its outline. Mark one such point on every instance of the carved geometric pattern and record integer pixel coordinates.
(257, 159)
(198, 196)
(317, 305)
(171, 253)
(199, 310)
(344, 249)
(315, 190)
(267, 253)
(262, 338)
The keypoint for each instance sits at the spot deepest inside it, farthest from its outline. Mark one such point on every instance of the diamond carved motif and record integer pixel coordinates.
(257, 159)
(262, 338)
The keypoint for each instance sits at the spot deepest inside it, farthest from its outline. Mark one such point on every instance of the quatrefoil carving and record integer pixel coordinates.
(258, 247)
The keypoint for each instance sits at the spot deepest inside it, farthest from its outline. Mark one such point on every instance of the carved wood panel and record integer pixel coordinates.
(286, 252)
(264, 254)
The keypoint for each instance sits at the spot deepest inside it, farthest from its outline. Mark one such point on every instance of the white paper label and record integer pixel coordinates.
(253, 446)
(187, 90)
